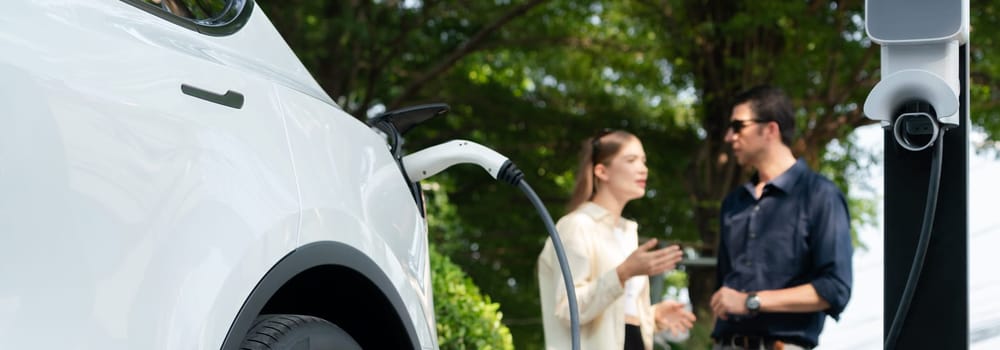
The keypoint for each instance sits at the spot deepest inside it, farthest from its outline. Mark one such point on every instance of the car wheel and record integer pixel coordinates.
(296, 332)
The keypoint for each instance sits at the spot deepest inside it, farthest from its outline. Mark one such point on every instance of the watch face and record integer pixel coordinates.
(753, 303)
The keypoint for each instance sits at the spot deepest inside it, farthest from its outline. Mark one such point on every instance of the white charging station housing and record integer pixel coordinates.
(920, 42)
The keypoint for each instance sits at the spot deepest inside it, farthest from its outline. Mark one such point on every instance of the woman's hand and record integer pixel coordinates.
(642, 261)
(671, 315)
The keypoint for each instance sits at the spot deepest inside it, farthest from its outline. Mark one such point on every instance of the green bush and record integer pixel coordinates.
(466, 319)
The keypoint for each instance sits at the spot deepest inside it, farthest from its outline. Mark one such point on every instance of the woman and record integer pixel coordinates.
(610, 269)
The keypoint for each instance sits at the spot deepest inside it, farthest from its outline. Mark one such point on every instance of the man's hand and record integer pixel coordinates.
(671, 315)
(642, 261)
(727, 301)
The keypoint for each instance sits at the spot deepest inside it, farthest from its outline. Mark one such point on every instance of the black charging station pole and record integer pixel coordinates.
(938, 316)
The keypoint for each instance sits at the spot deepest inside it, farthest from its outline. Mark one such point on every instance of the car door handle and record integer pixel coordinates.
(230, 99)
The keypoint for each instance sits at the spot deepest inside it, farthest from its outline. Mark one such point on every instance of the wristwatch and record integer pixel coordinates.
(753, 303)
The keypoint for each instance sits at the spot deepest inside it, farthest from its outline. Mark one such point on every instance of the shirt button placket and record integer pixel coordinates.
(751, 233)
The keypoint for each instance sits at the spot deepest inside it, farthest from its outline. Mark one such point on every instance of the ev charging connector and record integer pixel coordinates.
(432, 160)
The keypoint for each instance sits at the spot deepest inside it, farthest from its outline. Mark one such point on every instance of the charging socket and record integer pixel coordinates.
(915, 131)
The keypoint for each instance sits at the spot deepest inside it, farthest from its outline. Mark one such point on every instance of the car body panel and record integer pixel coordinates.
(139, 217)
(329, 165)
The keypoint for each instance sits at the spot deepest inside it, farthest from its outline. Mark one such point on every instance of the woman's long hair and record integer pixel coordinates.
(598, 149)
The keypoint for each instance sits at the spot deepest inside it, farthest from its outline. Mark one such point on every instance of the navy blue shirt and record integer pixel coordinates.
(797, 232)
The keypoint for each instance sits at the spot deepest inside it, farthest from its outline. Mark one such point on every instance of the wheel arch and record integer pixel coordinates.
(336, 282)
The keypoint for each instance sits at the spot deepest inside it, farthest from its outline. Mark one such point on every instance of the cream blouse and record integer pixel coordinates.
(588, 236)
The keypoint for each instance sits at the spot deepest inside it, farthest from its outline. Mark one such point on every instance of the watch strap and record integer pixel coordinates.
(752, 303)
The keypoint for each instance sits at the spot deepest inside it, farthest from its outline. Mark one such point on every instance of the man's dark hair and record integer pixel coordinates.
(771, 104)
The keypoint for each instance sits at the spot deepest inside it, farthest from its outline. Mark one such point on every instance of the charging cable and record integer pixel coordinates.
(432, 160)
(922, 243)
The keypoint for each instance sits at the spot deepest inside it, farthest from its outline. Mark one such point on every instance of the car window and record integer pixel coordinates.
(213, 17)
(192, 9)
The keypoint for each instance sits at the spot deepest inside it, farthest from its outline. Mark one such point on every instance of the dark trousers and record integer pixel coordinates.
(633, 338)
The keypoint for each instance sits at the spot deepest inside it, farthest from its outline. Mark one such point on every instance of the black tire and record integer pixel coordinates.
(296, 332)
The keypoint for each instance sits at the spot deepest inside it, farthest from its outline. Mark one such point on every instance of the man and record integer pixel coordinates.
(784, 259)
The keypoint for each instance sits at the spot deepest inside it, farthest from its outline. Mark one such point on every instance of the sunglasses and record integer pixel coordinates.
(737, 125)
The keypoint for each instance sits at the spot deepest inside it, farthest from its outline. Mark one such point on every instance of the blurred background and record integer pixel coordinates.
(533, 78)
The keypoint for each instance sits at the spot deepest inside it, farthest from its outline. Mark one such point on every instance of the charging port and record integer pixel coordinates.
(919, 126)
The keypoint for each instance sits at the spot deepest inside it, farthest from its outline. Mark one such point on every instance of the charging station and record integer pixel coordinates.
(922, 103)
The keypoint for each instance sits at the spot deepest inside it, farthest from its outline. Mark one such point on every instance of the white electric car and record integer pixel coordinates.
(171, 177)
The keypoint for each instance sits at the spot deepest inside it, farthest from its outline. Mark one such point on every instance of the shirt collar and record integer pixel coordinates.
(601, 215)
(783, 182)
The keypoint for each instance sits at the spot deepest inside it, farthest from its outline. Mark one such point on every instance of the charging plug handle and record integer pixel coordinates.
(432, 160)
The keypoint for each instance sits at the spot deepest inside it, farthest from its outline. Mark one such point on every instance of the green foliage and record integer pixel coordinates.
(445, 228)
(984, 90)
(673, 282)
(466, 319)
